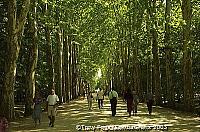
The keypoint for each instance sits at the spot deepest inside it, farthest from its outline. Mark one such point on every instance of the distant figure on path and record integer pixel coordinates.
(52, 102)
(113, 96)
(149, 100)
(135, 102)
(89, 98)
(100, 97)
(129, 100)
(37, 110)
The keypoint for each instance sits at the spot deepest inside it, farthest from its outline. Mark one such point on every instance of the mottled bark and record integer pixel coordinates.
(32, 60)
(10, 66)
(15, 29)
(187, 60)
(3, 46)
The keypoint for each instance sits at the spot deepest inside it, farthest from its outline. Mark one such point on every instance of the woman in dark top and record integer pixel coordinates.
(37, 110)
(129, 99)
(150, 101)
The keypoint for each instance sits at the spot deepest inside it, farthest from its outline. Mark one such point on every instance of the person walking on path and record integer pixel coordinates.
(113, 96)
(135, 102)
(89, 98)
(37, 110)
(100, 97)
(52, 102)
(150, 101)
(129, 100)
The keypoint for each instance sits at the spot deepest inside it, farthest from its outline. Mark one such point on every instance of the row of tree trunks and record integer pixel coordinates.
(71, 71)
(153, 65)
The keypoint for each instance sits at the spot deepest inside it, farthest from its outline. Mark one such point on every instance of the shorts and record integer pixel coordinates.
(51, 110)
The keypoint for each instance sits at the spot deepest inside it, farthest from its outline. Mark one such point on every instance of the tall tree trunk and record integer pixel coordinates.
(133, 78)
(63, 82)
(66, 65)
(149, 88)
(124, 58)
(81, 87)
(76, 69)
(32, 61)
(187, 60)
(58, 68)
(3, 45)
(168, 53)
(169, 82)
(137, 74)
(15, 30)
(73, 71)
(70, 67)
(109, 74)
(138, 26)
(118, 74)
(156, 68)
(155, 52)
(49, 54)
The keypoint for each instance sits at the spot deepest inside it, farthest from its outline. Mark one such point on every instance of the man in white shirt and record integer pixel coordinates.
(100, 97)
(113, 96)
(52, 101)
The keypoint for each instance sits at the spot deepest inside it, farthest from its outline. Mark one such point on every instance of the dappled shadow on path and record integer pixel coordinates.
(77, 113)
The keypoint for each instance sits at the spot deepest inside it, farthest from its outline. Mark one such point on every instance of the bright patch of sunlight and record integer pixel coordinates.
(88, 116)
(63, 113)
(106, 112)
(198, 126)
(103, 120)
(99, 73)
(15, 123)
